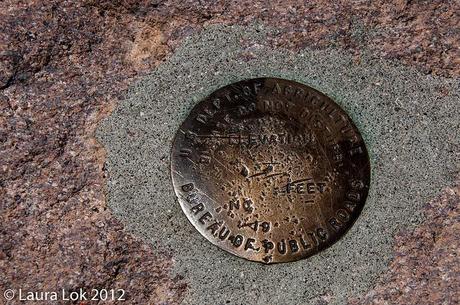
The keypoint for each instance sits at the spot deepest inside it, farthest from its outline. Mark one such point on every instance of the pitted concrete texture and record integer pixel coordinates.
(408, 120)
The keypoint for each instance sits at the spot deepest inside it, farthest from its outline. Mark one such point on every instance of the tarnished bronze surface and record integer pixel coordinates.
(270, 170)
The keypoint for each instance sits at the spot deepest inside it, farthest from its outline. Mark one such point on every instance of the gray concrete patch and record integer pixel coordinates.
(409, 122)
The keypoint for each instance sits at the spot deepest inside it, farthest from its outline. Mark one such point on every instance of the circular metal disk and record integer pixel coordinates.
(270, 170)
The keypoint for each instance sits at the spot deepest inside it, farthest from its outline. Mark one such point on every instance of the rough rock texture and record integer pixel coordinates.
(62, 70)
(64, 65)
(425, 267)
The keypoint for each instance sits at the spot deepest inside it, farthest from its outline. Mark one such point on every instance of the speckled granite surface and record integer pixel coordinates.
(63, 67)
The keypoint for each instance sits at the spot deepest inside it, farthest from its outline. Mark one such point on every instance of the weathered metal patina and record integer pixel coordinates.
(270, 170)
